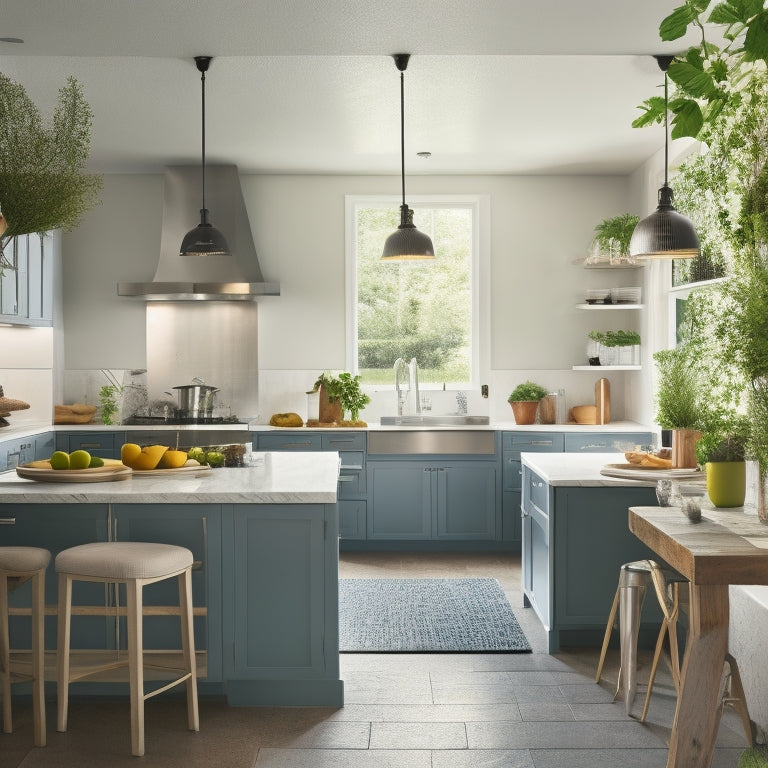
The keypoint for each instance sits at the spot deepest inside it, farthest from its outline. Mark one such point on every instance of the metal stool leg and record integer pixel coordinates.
(631, 594)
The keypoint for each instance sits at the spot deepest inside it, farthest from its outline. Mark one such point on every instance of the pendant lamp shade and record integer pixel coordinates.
(204, 239)
(406, 243)
(665, 234)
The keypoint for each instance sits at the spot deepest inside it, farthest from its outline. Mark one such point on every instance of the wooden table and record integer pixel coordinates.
(726, 547)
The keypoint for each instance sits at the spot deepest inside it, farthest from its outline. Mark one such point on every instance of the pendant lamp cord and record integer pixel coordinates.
(666, 131)
(202, 80)
(402, 132)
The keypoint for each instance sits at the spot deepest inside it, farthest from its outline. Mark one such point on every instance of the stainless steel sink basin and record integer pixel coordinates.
(434, 421)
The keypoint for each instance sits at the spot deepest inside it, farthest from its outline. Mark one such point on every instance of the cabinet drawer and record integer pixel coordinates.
(538, 492)
(279, 441)
(344, 441)
(602, 442)
(351, 483)
(96, 443)
(532, 442)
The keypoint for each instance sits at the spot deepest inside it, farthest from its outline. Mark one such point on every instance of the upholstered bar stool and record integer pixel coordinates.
(17, 565)
(634, 579)
(135, 565)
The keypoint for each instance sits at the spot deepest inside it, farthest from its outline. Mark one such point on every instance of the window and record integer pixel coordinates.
(421, 309)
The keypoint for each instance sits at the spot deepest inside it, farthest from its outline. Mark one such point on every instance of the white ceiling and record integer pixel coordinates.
(308, 86)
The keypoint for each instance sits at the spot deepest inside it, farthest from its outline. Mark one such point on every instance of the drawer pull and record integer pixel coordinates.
(305, 444)
(347, 479)
(541, 442)
(90, 445)
(590, 446)
(7, 521)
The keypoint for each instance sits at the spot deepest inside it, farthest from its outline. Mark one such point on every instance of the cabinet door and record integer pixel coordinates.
(511, 520)
(536, 565)
(56, 527)
(399, 500)
(104, 444)
(198, 528)
(466, 501)
(352, 519)
(26, 281)
(279, 591)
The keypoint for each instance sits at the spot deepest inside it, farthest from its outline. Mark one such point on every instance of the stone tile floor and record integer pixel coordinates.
(401, 710)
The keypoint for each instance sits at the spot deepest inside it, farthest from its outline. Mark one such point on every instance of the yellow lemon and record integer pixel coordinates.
(148, 458)
(172, 460)
(129, 452)
(59, 460)
(79, 459)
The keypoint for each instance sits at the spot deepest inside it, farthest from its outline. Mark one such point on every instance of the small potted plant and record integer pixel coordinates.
(524, 400)
(680, 402)
(612, 236)
(340, 395)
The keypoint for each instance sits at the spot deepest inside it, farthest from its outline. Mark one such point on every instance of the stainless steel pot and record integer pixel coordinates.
(196, 400)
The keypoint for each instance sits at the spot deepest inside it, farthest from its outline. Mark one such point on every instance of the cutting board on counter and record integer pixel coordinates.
(603, 401)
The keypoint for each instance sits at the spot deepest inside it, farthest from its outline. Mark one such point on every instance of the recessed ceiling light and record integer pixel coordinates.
(425, 155)
(11, 40)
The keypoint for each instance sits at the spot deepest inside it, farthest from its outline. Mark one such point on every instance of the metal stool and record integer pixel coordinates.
(628, 600)
(133, 564)
(17, 565)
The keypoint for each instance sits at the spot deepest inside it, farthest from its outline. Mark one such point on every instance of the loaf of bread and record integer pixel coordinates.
(77, 413)
(644, 459)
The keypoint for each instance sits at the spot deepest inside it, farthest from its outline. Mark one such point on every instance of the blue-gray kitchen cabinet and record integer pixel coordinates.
(26, 281)
(281, 614)
(575, 540)
(56, 527)
(15, 451)
(605, 442)
(198, 528)
(512, 445)
(45, 445)
(432, 500)
(352, 490)
(105, 444)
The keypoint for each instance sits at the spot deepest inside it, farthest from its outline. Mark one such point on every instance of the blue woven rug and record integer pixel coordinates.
(427, 616)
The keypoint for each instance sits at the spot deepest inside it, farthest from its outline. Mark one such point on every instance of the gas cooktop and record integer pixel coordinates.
(180, 420)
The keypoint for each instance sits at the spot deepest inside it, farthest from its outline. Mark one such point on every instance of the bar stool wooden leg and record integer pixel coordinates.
(607, 637)
(62, 653)
(136, 664)
(38, 656)
(5, 656)
(188, 645)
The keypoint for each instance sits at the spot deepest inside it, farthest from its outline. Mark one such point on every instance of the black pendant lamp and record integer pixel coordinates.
(406, 243)
(204, 239)
(665, 234)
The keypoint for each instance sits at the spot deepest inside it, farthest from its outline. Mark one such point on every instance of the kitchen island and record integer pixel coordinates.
(265, 581)
(575, 540)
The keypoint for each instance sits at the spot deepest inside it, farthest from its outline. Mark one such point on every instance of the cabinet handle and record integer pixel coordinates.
(346, 479)
(305, 444)
(90, 445)
(590, 446)
(7, 521)
(541, 442)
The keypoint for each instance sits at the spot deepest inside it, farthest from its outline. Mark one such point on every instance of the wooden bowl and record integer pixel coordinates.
(584, 414)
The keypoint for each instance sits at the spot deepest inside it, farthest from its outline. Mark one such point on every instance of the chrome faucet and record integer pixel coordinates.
(407, 400)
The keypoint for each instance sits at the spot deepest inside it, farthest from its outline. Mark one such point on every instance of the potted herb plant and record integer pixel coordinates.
(612, 236)
(680, 405)
(723, 456)
(340, 395)
(524, 400)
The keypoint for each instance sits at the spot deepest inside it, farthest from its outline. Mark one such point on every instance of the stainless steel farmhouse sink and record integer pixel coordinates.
(447, 420)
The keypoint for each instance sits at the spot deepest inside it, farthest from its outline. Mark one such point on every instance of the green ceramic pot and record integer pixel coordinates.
(726, 483)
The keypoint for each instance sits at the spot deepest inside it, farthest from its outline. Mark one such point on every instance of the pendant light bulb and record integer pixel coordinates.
(204, 239)
(665, 234)
(406, 243)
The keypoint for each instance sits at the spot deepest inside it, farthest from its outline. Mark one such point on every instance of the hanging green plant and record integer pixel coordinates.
(42, 183)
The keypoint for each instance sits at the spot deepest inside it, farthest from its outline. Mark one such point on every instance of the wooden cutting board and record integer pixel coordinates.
(603, 401)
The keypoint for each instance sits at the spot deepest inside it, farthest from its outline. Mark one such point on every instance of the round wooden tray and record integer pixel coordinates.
(105, 474)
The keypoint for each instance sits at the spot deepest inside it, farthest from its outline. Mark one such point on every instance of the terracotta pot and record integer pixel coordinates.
(328, 412)
(684, 448)
(727, 483)
(524, 411)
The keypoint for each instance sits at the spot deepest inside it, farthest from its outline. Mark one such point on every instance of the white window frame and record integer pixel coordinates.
(480, 274)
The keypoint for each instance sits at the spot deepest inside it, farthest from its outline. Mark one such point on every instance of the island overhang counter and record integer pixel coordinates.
(265, 582)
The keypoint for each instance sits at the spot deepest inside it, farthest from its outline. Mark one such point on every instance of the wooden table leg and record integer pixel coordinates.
(697, 716)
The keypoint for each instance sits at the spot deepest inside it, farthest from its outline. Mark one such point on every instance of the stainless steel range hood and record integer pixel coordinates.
(236, 277)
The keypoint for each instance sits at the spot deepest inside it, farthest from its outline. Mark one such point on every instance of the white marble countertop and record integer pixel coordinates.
(274, 478)
(578, 469)
(30, 430)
